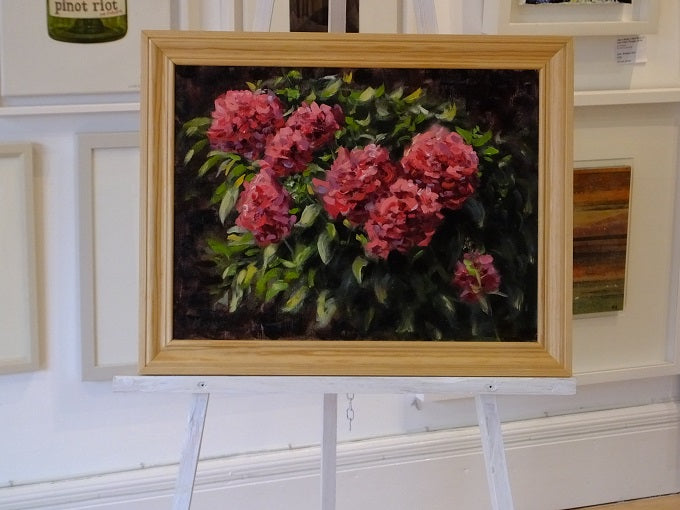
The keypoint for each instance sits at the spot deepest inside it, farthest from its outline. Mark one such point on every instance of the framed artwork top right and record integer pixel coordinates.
(570, 17)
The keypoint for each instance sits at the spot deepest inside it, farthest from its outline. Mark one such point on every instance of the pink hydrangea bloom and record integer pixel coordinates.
(309, 128)
(476, 276)
(263, 208)
(407, 216)
(243, 122)
(355, 180)
(288, 152)
(317, 123)
(442, 161)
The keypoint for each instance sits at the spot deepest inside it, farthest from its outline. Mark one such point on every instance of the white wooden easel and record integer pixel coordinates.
(484, 390)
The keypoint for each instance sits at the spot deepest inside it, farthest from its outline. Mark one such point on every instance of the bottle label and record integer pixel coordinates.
(86, 8)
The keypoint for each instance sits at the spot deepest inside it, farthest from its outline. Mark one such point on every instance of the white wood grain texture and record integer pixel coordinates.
(494, 452)
(329, 451)
(189, 461)
(367, 385)
(263, 15)
(426, 17)
(337, 16)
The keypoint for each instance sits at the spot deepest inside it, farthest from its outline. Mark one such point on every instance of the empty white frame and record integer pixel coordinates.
(515, 17)
(109, 253)
(18, 301)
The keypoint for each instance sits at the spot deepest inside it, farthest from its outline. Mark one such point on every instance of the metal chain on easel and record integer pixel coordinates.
(350, 410)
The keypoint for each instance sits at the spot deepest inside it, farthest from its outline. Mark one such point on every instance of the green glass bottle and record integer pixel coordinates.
(86, 21)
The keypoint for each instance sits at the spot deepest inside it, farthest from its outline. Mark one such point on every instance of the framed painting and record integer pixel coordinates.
(570, 17)
(358, 205)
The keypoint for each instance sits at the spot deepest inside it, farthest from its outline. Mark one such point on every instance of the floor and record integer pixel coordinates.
(660, 503)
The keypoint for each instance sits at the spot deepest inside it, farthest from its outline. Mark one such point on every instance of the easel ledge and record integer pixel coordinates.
(368, 385)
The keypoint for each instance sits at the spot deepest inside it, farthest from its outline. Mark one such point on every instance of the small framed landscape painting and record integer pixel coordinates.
(359, 205)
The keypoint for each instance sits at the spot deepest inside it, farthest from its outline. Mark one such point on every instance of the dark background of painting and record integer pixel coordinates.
(503, 101)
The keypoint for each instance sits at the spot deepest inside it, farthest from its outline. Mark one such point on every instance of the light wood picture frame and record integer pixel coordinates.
(108, 214)
(513, 17)
(170, 58)
(19, 324)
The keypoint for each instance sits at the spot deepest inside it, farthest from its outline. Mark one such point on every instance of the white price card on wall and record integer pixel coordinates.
(631, 49)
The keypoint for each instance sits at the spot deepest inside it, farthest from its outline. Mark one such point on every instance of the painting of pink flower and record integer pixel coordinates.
(263, 208)
(288, 152)
(243, 122)
(406, 217)
(476, 277)
(442, 161)
(317, 123)
(309, 128)
(355, 181)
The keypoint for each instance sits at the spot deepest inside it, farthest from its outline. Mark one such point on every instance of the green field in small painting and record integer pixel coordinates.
(601, 203)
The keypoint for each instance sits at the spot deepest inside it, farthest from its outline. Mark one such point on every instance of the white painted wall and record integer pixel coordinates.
(56, 427)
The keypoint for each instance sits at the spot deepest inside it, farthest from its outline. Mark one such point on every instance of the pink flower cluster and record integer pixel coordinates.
(476, 277)
(405, 217)
(441, 160)
(252, 125)
(355, 180)
(264, 207)
(309, 128)
(244, 121)
(399, 203)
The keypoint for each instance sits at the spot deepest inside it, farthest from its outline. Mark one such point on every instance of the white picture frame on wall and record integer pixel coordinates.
(46, 67)
(516, 17)
(19, 345)
(108, 214)
(643, 339)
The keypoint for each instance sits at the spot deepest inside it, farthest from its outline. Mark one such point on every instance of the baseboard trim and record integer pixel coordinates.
(530, 439)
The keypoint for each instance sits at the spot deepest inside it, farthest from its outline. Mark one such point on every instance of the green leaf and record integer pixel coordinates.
(226, 166)
(197, 147)
(236, 297)
(358, 266)
(367, 94)
(295, 301)
(263, 282)
(208, 164)
(251, 86)
(331, 89)
(309, 215)
(268, 255)
(323, 245)
(397, 93)
(414, 96)
(479, 140)
(365, 122)
(325, 309)
(275, 289)
(228, 203)
(490, 151)
(467, 135)
(332, 231)
(448, 113)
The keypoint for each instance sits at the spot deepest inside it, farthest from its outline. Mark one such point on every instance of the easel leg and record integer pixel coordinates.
(189, 461)
(494, 452)
(329, 451)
